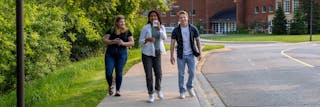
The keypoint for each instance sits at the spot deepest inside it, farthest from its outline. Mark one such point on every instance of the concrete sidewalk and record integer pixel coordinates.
(134, 89)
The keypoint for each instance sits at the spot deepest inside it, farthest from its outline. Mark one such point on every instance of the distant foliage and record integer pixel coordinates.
(298, 26)
(279, 22)
(57, 32)
(45, 49)
(315, 15)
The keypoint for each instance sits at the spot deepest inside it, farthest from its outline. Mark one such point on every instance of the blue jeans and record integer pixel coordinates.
(115, 58)
(190, 61)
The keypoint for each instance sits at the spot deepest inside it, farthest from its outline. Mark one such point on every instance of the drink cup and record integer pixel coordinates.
(155, 23)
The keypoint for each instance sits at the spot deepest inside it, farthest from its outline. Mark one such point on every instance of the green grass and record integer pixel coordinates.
(212, 47)
(78, 84)
(263, 38)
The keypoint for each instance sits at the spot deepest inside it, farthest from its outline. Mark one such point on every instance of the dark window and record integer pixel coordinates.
(271, 9)
(264, 9)
(256, 10)
(172, 13)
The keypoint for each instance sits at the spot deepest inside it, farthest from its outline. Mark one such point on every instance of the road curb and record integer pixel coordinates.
(207, 95)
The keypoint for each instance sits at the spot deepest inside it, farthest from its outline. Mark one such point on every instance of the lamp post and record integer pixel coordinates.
(310, 39)
(20, 53)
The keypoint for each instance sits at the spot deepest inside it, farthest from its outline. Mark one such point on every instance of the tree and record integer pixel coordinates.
(298, 26)
(45, 49)
(315, 13)
(57, 29)
(279, 22)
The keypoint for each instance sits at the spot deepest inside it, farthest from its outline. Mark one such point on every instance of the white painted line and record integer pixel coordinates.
(297, 60)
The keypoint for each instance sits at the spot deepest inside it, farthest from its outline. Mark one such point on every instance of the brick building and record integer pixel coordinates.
(223, 16)
(258, 14)
(203, 11)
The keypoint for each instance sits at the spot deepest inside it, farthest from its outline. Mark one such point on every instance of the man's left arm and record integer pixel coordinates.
(199, 47)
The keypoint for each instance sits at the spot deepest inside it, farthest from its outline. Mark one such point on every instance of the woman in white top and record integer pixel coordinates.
(151, 38)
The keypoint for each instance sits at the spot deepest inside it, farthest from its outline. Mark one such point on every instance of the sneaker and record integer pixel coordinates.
(117, 94)
(160, 95)
(111, 91)
(182, 95)
(191, 92)
(151, 98)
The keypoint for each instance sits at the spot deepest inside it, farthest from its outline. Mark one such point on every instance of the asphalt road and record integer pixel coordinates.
(266, 74)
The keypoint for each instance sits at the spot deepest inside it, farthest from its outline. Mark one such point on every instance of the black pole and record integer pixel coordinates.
(310, 39)
(20, 53)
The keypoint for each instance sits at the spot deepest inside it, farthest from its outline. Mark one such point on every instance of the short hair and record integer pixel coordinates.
(183, 12)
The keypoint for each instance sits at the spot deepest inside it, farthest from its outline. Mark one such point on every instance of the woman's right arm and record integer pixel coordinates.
(107, 41)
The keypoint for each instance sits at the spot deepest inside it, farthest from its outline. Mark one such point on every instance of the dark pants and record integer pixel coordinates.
(115, 58)
(150, 62)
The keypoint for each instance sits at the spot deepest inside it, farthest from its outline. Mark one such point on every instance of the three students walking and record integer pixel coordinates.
(152, 38)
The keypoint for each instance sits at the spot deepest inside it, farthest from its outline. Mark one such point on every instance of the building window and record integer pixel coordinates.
(221, 26)
(233, 27)
(216, 28)
(256, 10)
(193, 13)
(264, 9)
(271, 9)
(287, 7)
(256, 28)
(295, 5)
(264, 30)
(172, 13)
(278, 4)
(164, 14)
(270, 27)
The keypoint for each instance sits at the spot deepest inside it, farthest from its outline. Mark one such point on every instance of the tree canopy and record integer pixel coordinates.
(60, 31)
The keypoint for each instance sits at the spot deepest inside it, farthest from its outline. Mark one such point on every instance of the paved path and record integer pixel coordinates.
(134, 90)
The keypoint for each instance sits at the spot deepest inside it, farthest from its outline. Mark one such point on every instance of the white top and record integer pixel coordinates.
(186, 40)
(148, 48)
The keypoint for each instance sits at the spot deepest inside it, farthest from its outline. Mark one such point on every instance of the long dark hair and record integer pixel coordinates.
(153, 11)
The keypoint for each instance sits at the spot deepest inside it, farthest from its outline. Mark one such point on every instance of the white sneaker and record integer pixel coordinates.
(191, 92)
(160, 95)
(151, 98)
(182, 95)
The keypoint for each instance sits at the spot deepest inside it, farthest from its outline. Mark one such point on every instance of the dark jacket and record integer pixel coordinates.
(177, 35)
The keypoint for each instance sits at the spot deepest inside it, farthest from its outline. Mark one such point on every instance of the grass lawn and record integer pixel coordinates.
(77, 84)
(263, 37)
(212, 47)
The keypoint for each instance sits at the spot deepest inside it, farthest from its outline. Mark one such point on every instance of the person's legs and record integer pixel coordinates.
(120, 63)
(109, 66)
(181, 68)
(191, 71)
(147, 64)
(158, 73)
